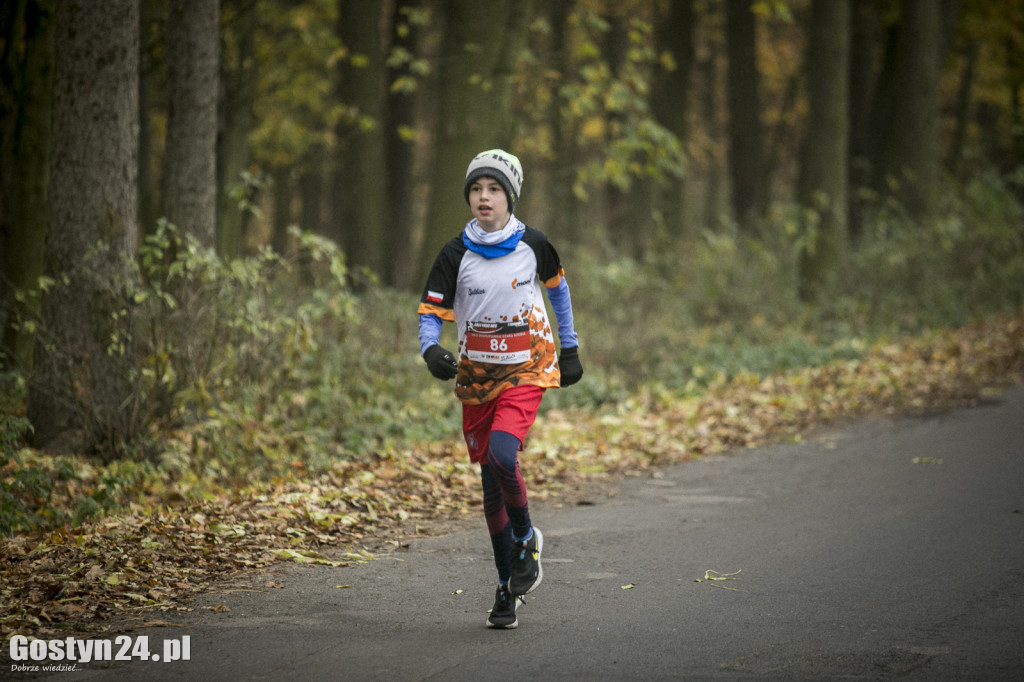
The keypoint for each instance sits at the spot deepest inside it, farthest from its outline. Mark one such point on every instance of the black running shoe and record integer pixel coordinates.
(526, 570)
(503, 613)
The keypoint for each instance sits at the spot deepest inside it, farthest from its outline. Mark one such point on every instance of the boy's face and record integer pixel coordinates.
(489, 204)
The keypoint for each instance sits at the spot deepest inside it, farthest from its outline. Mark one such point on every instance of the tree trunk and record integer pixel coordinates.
(311, 190)
(670, 98)
(712, 198)
(189, 182)
(361, 184)
(626, 211)
(466, 125)
(550, 176)
(822, 184)
(26, 101)
(428, 42)
(400, 152)
(514, 36)
(281, 217)
(955, 161)
(311, 211)
(80, 396)
(148, 213)
(746, 163)
(561, 176)
(236, 120)
(865, 42)
(908, 157)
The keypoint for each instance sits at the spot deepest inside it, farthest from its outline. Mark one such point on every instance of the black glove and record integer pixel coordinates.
(441, 363)
(569, 363)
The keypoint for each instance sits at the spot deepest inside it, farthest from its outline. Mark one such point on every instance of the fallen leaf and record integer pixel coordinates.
(304, 556)
(715, 575)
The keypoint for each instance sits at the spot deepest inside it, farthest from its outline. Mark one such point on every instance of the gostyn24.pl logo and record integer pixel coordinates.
(39, 655)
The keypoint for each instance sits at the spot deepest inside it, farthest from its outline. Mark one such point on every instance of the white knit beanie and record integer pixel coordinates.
(500, 165)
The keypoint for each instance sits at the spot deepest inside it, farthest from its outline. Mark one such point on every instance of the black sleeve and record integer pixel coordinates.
(549, 265)
(439, 291)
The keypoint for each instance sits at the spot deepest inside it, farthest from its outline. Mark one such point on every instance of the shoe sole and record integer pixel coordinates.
(540, 568)
(496, 626)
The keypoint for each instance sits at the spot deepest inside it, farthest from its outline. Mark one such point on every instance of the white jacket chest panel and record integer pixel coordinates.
(504, 289)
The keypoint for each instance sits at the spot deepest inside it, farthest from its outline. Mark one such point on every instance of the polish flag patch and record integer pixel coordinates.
(434, 297)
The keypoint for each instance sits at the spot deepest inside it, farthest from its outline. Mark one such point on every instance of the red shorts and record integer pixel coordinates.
(514, 411)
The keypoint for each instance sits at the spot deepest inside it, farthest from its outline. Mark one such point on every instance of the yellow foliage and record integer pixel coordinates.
(593, 128)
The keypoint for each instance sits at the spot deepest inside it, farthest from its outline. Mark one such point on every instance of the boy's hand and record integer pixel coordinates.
(569, 363)
(441, 363)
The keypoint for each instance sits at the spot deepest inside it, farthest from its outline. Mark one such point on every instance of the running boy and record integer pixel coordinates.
(488, 282)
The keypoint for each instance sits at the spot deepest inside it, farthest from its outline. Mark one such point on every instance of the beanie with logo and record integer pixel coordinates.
(500, 165)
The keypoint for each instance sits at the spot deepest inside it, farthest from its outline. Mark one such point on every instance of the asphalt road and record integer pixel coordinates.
(889, 548)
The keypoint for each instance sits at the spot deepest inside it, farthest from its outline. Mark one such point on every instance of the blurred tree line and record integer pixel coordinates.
(640, 123)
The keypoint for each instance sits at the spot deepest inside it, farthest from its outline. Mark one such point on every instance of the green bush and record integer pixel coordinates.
(708, 309)
(968, 260)
(207, 330)
(26, 490)
(262, 363)
(689, 315)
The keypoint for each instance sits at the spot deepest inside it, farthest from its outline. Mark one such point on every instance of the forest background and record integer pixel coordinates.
(215, 217)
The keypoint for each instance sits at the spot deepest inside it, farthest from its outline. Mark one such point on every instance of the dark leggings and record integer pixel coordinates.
(505, 505)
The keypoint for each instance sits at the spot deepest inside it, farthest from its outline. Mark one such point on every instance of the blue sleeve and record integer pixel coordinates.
(430, 331)
(561, 304)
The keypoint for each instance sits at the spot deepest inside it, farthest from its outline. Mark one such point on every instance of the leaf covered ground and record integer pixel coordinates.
(126, 569)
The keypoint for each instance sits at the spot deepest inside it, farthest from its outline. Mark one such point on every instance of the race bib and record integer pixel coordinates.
(502, 343)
